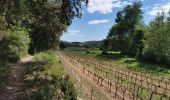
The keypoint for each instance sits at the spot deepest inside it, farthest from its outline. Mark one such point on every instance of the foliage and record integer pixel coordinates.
(151, 43)
(125, 61)
(86, 44)
(157, 45)
(90, 44)
(45, 57)
(62, 45)
(122, 34)
(104, 45)
(49, 19)
(139, 43)
(46, 20)
(45, 25)
(13, 11)
(46, 79)
(15, 43)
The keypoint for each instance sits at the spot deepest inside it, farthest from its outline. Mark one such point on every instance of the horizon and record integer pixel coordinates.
(99, 16)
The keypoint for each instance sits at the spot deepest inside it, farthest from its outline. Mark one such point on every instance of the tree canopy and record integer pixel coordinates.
(124, 30)
(130, 36)
(45, 20)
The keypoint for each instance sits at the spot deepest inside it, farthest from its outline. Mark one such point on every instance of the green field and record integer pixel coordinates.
(124, 60)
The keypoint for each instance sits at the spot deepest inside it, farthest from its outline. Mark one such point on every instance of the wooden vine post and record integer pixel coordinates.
(92, 90)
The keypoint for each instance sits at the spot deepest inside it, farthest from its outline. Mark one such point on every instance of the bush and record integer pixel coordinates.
(46, 79)
(15, 43)
(87, 51)
(155, 57)
(157, 44)
(46, 58)
(104, 52)
(62, 45)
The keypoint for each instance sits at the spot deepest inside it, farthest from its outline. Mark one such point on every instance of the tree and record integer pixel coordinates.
(104, 46)
(157, 40)
(124, 32)
(49, 19)
(62, 45)
(168, 18)
(139, 43)
(45, 19)
(133, 16)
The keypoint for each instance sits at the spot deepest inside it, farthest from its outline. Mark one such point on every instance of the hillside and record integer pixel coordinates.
(86, 44)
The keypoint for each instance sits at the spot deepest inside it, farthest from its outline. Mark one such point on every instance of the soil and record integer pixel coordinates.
(13, 89)
(80, 73)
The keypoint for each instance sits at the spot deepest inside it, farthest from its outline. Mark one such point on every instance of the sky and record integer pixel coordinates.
(99, 16)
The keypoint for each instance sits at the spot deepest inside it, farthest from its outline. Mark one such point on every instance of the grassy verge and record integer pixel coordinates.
(135, 64)
(46, 79)
(5, 70)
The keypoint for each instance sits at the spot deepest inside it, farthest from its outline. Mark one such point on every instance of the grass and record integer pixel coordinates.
(134, 64)
(53, 65)
(127, 61)
(46, 79)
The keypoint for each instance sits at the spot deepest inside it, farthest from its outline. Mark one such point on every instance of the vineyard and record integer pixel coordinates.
(120, 82)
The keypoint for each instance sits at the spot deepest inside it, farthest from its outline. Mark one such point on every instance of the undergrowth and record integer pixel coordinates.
(46, 79)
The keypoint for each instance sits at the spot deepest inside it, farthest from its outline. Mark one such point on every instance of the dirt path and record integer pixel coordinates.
(13, 90)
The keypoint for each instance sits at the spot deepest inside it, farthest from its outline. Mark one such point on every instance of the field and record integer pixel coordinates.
(124, 77)
(123, 60)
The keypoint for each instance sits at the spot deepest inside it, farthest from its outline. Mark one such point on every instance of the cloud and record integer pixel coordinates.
(105, 6)
(93, 22)
(75, 33)
(159, 8)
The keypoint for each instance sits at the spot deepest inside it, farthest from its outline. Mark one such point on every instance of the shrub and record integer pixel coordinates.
(45, 57)
(87, 51)
(62, 45)
(104, 52)
(15, 43)
(46, 79)
(157, 44)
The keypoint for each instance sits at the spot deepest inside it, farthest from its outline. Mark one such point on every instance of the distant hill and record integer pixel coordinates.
(91, 44)
(87, 44)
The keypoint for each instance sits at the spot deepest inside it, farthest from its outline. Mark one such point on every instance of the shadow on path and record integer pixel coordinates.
(13, 90)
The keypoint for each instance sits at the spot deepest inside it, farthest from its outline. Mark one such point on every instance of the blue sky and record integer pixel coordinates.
(99, 16)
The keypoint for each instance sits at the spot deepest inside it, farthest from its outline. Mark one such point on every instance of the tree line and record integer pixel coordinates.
(34, 25)
(132, 37)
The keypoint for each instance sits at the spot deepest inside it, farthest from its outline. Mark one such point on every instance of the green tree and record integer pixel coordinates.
(45, 19)
(49, 19)
(139, 43)
(62, 45)
(124, 31)
(15, 43)
(157, 40)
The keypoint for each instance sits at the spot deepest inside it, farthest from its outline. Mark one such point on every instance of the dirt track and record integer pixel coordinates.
(13, 90)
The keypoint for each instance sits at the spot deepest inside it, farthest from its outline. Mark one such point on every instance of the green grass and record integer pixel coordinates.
(126, 61)
(52, 64)
(46, 79)
(134, 64)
